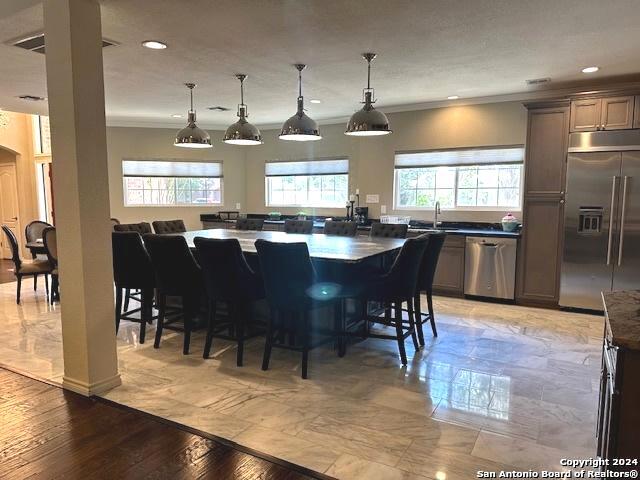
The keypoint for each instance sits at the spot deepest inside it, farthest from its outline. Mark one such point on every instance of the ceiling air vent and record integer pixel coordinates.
(538, 81)
(31, 98)
(219, 109)
(35, 43)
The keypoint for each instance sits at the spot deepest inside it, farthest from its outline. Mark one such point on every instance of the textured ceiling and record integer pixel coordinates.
(427, 50)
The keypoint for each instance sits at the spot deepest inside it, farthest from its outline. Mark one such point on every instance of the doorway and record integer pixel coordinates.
(9, 213)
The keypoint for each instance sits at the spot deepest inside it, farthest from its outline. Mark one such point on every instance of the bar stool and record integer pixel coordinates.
(298, 226)
(178, 275)
(228, 278)
(133, 270)
(341, 229)
(395, 286)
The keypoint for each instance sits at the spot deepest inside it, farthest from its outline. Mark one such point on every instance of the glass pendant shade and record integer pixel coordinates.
(300, 127)
(242, 132)
(368, 121)
(192, 136)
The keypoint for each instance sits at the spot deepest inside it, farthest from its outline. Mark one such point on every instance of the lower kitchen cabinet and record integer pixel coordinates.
(618, 424)
(449, 278)
(540, 251)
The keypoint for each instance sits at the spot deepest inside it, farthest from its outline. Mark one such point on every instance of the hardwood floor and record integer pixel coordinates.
(6, 275)
(47, 432)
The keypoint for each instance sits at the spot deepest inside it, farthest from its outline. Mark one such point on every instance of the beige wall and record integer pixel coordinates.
(157, 143)
(372, 159)
(17, 144)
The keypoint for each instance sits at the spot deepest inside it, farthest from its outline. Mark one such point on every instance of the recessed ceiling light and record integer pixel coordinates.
(315, 101)
(590, 69)
(453, 97)
(177, 115)
(154, 44)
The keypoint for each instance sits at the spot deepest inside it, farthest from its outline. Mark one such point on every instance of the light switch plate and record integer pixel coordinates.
(238, 206)
(383, 209)
(375, 198)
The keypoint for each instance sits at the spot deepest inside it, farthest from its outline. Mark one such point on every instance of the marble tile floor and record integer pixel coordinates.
(503, 387)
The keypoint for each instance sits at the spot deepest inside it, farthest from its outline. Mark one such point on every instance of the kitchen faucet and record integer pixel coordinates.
(436, 211)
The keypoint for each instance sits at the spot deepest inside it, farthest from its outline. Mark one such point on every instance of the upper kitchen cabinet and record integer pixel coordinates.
(609, 113)
(636, 115)
(546, 150)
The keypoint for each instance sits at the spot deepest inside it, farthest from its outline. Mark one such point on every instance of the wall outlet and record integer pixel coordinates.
(238, 206)
(373, 198)
(383, 209)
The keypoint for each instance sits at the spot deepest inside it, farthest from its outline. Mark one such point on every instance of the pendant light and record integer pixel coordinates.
(242, 132)
(300, 127)
(191, 136)
(368, 121)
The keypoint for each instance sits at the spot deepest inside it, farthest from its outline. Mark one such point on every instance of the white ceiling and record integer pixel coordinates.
(427, 50)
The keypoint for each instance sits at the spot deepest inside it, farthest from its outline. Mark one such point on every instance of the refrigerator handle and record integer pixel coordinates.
(622, 215)
(613, 199)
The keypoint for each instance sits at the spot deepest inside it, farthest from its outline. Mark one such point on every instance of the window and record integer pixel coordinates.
(41, 135)
(163, 182)
(318, 183)
(488, 178)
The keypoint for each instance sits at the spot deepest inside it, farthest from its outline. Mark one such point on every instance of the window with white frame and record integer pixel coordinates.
(171, 182)
(462, 179)
(316, 183)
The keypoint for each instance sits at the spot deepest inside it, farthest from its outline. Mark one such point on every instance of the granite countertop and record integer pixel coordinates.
(421, 227)
(623, 315)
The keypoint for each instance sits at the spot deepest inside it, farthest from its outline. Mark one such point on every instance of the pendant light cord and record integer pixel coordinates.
(299, 83)
(191, 92)
(368, 74)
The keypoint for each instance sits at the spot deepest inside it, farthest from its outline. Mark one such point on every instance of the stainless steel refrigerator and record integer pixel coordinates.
(601, 218)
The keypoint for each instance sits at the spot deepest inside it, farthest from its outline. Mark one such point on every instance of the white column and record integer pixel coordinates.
(81, 193)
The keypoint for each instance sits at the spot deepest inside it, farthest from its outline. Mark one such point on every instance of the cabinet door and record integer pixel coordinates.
(636, 115)
(616, 113)
(585, 115)
(449, 277)
(546, 150)
(539, 255)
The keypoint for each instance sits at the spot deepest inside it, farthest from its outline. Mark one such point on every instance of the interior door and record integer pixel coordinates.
(8, 205)
(591, 212)
(627, 256)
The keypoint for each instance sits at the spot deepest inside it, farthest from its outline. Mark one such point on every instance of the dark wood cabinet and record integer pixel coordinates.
(636, 114)
(618, 424)
(449, 278)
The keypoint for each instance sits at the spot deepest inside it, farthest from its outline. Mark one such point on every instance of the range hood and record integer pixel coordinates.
(607, 141)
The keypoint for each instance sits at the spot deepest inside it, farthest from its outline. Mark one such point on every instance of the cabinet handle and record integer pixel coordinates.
(613, 199)
(622, 215)
(561, 202)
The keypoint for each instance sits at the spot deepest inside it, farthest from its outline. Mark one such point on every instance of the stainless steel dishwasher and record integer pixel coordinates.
(490, 267)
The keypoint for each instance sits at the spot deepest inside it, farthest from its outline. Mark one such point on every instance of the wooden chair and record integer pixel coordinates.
(250, 224)
(341, 229)
(51, 246)
(33, 232)
(164, 227)
(298, 226)
(22, 269)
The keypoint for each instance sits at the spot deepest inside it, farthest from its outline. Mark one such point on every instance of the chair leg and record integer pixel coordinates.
(56, 289)
(162, 305)
(127, 294)
(238, 313)
(412, 324)
(19, 287)
(146, 312)
(46, 284)
(305, 344)
(210, 326)
(432, 319)
(118, 311)
(268, 339)
(399, 333)
(188, 321)
(35, 283)
(417, 309)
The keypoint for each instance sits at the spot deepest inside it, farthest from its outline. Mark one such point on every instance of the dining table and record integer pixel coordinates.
(331, 248)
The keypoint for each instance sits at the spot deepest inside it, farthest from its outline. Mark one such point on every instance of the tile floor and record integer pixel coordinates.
(502, 387)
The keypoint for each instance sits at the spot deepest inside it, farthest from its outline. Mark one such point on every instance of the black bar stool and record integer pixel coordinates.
(228, 278)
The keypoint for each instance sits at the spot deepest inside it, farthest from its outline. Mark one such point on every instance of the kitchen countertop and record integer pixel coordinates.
(623, 313)
(476, 232)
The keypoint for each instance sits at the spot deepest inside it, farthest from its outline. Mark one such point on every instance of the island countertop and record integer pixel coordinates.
(622, 310)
